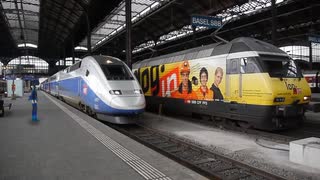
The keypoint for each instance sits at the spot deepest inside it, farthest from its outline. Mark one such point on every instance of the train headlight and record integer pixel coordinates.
(115, 92)
(279, 99)
(137, 91)
(306, 98)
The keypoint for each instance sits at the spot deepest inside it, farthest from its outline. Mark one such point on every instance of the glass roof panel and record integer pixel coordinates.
(26, 29)
(228, 14)
(115, 22)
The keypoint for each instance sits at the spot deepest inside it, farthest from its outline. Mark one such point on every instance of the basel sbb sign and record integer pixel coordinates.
(206, 21)
(314, 38)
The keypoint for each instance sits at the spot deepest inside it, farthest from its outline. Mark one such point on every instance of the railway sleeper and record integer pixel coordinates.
(158, 142)
(167, 146)
(234, 173)
(154, 139)
(206, 160)
(175, 150)
(142, 135)
(216, 166)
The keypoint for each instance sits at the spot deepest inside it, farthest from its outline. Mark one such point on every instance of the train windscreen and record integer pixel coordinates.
(285, 68)
(116, 72)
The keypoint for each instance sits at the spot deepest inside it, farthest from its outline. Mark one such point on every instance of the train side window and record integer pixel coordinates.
(248, 65)
(233, 66)
(87, 73)
(243, 65)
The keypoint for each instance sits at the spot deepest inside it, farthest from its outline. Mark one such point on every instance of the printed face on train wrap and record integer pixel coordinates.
(194, 80)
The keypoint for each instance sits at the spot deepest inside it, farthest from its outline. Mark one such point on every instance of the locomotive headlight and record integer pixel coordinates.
(306, 98)
(137, 91)
(279, 99)
(115, 92)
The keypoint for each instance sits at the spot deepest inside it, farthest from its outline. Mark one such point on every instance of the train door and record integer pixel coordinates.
(58, 88)
(79, 88)
(233, 80)
(49, 87)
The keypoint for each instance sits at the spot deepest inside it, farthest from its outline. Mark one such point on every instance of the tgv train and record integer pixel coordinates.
(247, 81)
(100, 85)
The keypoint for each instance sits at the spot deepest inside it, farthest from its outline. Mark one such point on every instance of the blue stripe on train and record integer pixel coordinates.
(75, 87)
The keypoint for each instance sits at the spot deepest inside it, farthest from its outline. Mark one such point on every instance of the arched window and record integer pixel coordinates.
(68, 61)
(27, 64)
(302, 52)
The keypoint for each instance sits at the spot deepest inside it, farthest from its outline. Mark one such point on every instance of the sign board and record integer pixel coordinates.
(314, 38)
(206, 21)
(10, 77)
(28, 77)
(18, 87)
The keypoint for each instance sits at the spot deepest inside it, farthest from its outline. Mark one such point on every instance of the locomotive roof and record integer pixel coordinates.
(237, 45)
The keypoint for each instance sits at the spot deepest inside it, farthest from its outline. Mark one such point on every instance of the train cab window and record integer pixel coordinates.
(249, 65)
(282, 68)
(243, 65)
(116, 72)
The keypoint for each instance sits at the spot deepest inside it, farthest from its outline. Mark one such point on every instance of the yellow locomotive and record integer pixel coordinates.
(246, 80)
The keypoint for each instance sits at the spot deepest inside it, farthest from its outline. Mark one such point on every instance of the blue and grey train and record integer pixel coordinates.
(102, 86)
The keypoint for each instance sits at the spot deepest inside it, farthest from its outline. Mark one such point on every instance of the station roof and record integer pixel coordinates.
(51, 28)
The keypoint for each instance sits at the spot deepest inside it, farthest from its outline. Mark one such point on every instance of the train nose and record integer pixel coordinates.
(128, 102)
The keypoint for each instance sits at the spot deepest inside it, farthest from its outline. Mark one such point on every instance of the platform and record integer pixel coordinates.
(273, 157)
(68, 144)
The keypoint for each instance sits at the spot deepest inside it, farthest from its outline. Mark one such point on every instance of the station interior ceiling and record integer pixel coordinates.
(55, 29)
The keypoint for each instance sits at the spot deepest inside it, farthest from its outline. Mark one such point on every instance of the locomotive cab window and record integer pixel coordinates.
(116, 72)
(282, 68)
(249, 65)
(243, 65)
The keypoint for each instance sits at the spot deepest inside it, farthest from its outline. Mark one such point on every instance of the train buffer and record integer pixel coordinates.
(4, 105)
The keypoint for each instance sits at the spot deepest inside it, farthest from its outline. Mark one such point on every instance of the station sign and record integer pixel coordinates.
(10, 77)
(28, 77)
(314, 38)
(206, 21)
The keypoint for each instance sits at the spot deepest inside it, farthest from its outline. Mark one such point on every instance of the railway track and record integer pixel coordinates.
(205, 162)
(307, 129)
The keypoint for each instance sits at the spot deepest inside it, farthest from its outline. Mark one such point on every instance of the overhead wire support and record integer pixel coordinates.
(214, 34)
(128, 35)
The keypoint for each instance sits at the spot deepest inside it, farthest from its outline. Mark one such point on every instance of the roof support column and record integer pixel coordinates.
(52, 67)
(128, 33)
(88, 33)
(64, 57)
(72, 50)
(310, 55)
(194, 42)
(274, 22)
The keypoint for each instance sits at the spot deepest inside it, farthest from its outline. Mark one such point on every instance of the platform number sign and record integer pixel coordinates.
(314, 38)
